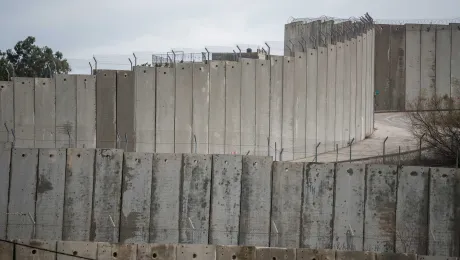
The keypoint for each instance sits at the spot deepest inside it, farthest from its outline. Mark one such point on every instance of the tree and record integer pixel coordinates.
(30, 60)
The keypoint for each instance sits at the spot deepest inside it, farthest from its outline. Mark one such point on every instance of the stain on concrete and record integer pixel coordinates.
(44, 184)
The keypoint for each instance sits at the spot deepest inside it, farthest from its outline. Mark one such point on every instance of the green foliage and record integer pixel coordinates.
(30, 60)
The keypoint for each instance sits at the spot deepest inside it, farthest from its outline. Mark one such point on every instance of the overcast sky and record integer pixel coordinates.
(81, 28)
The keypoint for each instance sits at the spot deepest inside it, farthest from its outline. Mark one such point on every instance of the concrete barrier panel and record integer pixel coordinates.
(313, 254)
(331, 88)
(263, 108)
(412, 210)
(106, 108)
(321, 100)
(359, 89)
(109, 251)
(312, 83)
(355, 255)
(165, 109)
(286, 204)
(276, 104)
(6, 250)
(346, 94)
(30, 249)
(66, 110)
(372, 67)
(75, 248)
(136, 197)
(217, 107)
(200, 103)
(455, 64)
(107, 195)
(225, 208)
(233, 107)
(183, 136)
(23, 183)
(300, 104)
(86, 111)
(442, 61)
(339, 95)
(442, 212)
(365, 83)
(145, 90)
(7, 114)
(395, 256)
(45, 114)
(165, 205)
(78, 194)
(382, 84)
(424, 257)
(263, 253)
(317, 214)
(427, 64)
(235, 252)
(255, 190)
(248, 106)
(156, 251)
(349, 206)
(413, 72)
(379, 224)
(50, 194)
(195, 198)
(24, 118)
(353, 90)
(287, 138)
(5, 159)
(125, 110)
(190, 252)
(397, 67)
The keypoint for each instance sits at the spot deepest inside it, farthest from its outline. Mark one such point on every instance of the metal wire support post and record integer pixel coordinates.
(91, 68)
(239, 50)
(207, 51)
(350, 144)
(281, 154)
(384, 141)
(268, 46)
(194, 139)
(268, 146)
(95, 63)
(420, 148)
(275, 151)
(131, 62)
(316, 151)
(135, 59)
(336, 153)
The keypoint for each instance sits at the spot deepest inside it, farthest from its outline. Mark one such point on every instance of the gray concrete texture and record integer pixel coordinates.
(106, 195)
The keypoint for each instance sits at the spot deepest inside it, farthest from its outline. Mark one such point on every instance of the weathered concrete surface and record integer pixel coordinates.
(338, 140)
(83, 249)
(443, 47)
(359, 89)
(395, 256)
(125, 111)
(321, 100)
(106, 108)
(183, 136)
(317, 209)
(144, 88)
(156, 251)
(397, 67)
(276, 104)
(235, 252)
(190, 252)
(286, 209)
(50, 194)
(45, 114)
(346, 95)
(413, 72)
(263, 108)
(412, 210)
(195, 198)
(66, 110)
(200, 108)
(109, 251)
(217, 107)
(313, 254)
(287, 138)
(427, 64)
(382, 72)
(6, 250)
(379, 224)
(78, 194)
(165, 109)
(23, 183)
(24, 118)
(349, 206)
(355, 255)
(105, 219)
(263, 253)
(312, 82)
(86, 111)
(136, 197)
(5, 159)
(225, 207)
(455, 64)
(331, 98)
(6, 111)
(30, 249)
(165, 205)
(353, 90)
(255, 190)
(300, 104)
(435, 258)
(248, 106)
(232, 107)
(365, 82)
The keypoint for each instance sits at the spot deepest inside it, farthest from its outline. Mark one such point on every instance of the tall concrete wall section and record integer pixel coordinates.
(397, 67)
(365, 83)
(379, 224)
(23, 184)
(443, 231)
(427, 64)
(183, 136)
(370, 80)
(6, 111)
(125, 111)
(371, 130)
(106, 109)
(144, 107)
(107, 194)
(321, 100)
(443, 48)
(263, 81)
(86, 111)
(66, 111)
(49, 206)
(331, 97)
(165, 110)
(78, 194)
(217, 99)
(136, 197)
(413, 73)
(455, 64)
(165, 206)
(353, 90)
(382, 72)
(233, 107)
(276, 104)
(195, 196)
(287, 179)
(200, 108)
(300, 104)
(256, 184)
(45, 113)
(287, 138)
(349, 207)
(346, 94)
(225, 199)
(412, 210)
(317, 209)
(339, 84)
(24, 119)
(5, 159)
(248, 106)
(312, 83)
(359, 89)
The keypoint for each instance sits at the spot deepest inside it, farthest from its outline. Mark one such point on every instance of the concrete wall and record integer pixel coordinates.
(108, 195)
